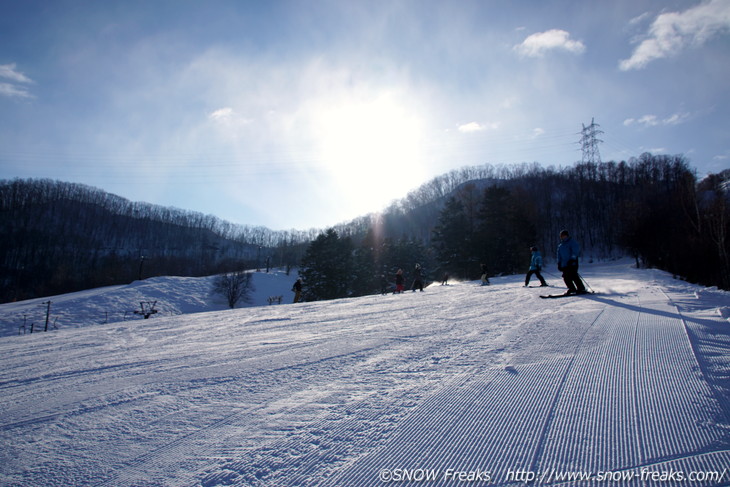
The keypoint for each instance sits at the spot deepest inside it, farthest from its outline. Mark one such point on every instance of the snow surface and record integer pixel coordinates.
(458, 385)
(173, 296)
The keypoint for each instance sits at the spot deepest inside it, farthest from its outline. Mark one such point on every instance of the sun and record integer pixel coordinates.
(372, 148)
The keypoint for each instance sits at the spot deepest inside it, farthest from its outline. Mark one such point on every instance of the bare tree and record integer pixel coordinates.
(234, 286)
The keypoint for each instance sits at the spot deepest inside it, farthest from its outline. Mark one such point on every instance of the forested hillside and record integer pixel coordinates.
(61, 237)
(652, 208)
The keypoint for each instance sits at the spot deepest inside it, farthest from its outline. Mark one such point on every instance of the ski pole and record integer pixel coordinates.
(587, 285)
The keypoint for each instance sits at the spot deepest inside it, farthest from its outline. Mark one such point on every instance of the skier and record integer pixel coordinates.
(417, 280)
(297, 288)
(485, 279)
(445, 279)
(568, 254)
(535, 267)
(398, 282)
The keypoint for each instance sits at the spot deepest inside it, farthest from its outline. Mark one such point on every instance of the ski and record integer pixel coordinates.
(553, 296)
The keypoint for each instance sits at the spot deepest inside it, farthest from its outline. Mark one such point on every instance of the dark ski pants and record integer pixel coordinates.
(572, 279)
(537, 274)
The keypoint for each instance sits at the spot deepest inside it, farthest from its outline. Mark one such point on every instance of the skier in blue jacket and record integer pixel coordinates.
(535, 267)
(568, 254)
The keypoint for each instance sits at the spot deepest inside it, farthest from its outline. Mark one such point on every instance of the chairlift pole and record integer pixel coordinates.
(48, 313)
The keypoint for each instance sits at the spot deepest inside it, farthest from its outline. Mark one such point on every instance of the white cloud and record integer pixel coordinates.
(646, 120)
(653, 120)
(222, 114)
(7, 89)
(672, 32)
(639, 19)
(676, 119)
(229, 124)
(228, 116)
(472, 127)
(16, 87)
(537, 132)
(8, 71)
(538, 44)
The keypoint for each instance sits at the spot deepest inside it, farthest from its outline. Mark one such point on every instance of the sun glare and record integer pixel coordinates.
(372, 150)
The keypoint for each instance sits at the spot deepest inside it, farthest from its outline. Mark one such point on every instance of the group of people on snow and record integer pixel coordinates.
(399, 283)
(568, 254)
(400, 280)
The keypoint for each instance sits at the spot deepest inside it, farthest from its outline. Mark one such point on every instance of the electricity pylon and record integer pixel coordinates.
(589, 142)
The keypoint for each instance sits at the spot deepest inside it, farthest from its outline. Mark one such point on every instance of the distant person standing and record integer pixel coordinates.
(535, 267)
(399, 282)
(297, 288)
(485, 278)
(568, 254)
(417, 279)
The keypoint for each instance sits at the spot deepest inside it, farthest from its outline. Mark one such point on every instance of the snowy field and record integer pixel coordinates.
(460, 385)
(171, 295)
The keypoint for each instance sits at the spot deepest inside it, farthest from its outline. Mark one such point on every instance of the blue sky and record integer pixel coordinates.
(299, 114)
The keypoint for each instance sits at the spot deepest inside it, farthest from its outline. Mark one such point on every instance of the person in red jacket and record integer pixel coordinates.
(399, 282)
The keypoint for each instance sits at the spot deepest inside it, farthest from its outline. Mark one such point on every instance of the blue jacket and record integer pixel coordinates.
(536, 261)
(568, 250)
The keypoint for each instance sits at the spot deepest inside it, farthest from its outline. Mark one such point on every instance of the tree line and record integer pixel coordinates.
(61, 237)
(335, 266)
(652, 208)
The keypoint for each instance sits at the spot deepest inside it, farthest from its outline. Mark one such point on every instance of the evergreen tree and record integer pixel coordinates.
(327, 267)
(453, 240)
(365, 276)
(506, 231)
(405, 254)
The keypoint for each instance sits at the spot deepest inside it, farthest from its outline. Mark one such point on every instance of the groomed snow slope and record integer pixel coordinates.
(458, 385)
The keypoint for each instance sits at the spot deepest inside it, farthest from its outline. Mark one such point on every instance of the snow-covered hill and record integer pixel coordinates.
(458, 385)
(171, 295)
